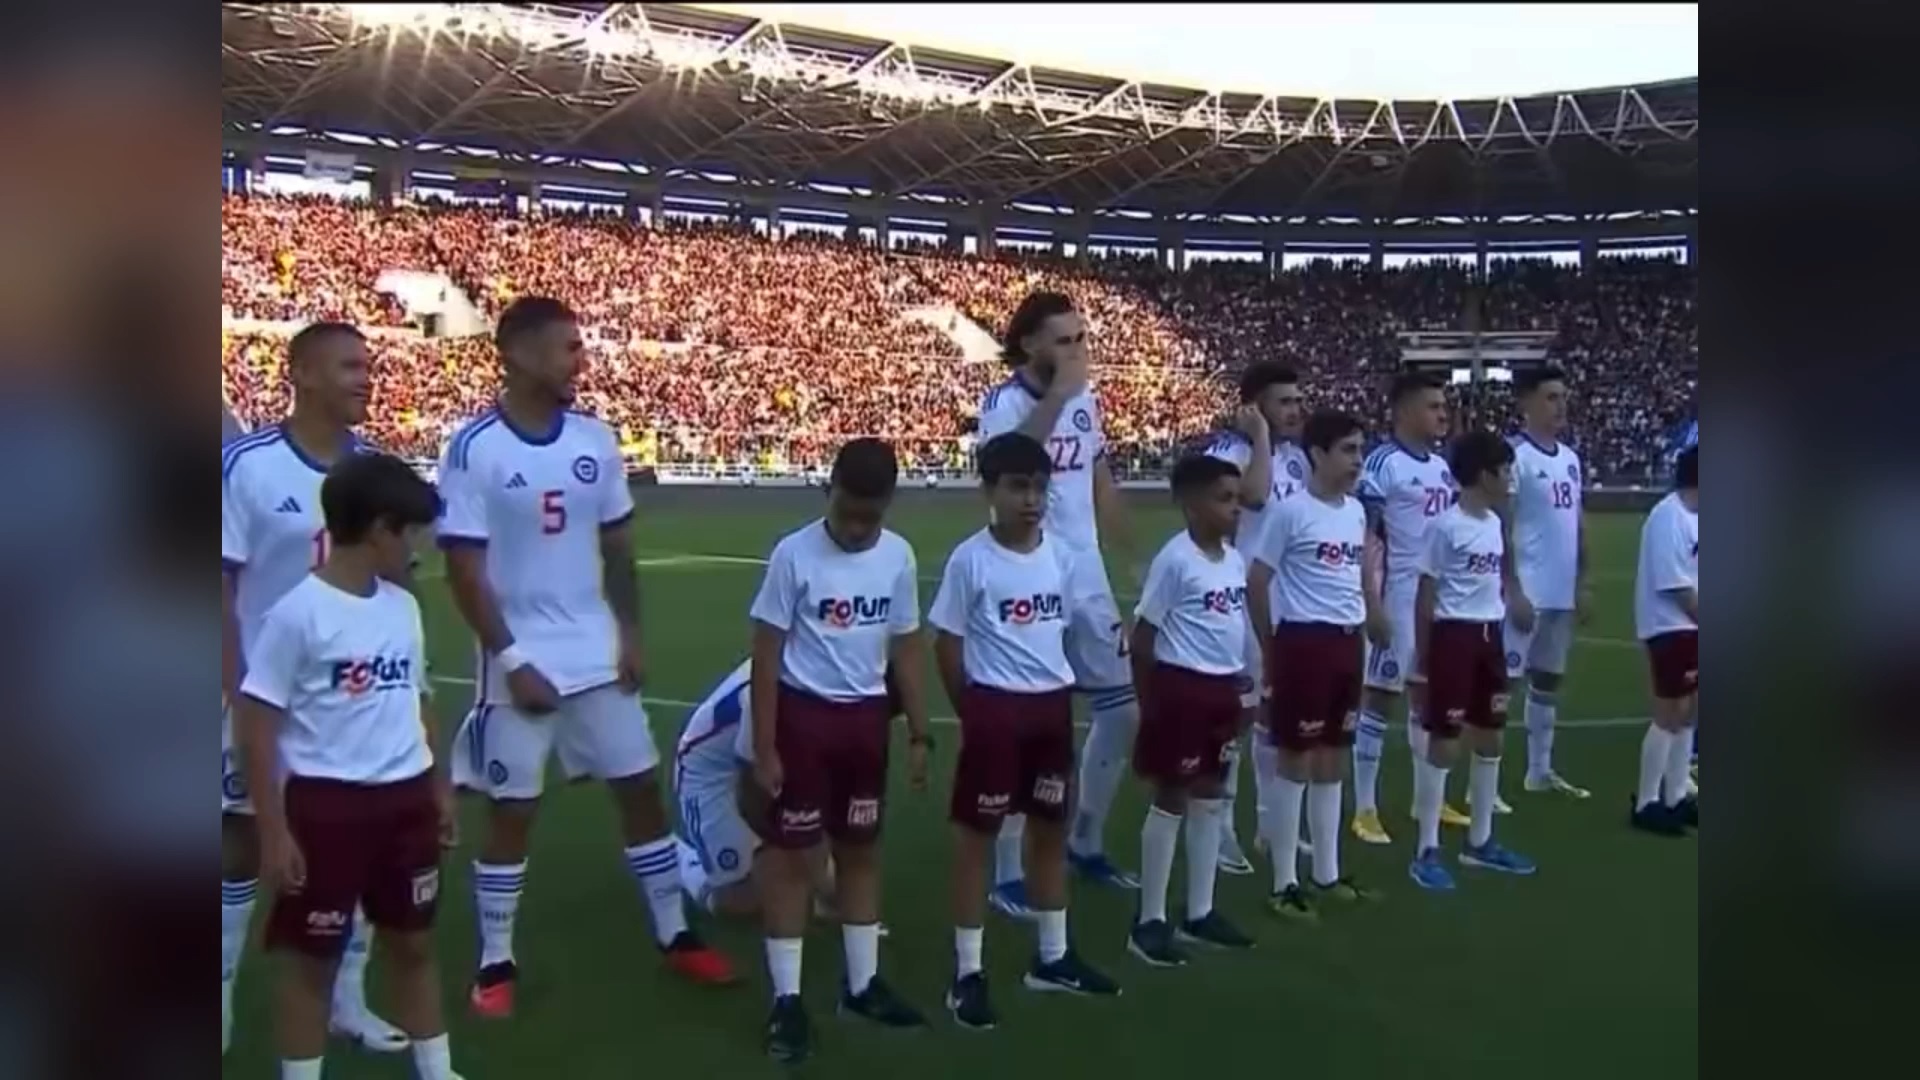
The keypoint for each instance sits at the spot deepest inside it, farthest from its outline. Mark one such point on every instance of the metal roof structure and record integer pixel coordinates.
(673, 88)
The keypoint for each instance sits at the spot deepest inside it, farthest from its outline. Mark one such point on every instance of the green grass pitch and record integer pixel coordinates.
(1587, 969)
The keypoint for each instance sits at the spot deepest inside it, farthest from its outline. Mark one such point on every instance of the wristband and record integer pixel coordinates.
(512, 659)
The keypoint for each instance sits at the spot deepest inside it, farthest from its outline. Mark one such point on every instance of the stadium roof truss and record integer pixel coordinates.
(681, 88)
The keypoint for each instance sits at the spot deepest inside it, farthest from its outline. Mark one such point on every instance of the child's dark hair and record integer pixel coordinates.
(1326, 427)
(1037, 308)
(1408, 384)
(1533, 379)
(866, 468)
(1194, 473)
(1012, 454)
(529, 315)
(1263, 374)
(363, 491)
(1477, 453)
(1686, 469)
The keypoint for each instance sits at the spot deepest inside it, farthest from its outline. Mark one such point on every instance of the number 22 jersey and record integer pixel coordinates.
(1075, 444)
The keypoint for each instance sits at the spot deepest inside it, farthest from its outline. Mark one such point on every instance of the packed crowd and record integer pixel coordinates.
(712, 345)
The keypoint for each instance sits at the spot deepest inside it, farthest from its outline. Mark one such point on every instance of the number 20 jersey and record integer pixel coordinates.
(1411, 489)
(1075, 444)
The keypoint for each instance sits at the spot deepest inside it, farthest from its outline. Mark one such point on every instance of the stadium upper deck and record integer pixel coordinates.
(680, 90)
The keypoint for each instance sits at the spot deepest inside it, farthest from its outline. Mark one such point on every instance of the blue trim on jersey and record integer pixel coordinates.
(446, 540)
(231, 454)
(618, 522)
(1531, 441)
(1019, 380)
(462, 441)
(352, 446)
(1417, 455)
(531, 439)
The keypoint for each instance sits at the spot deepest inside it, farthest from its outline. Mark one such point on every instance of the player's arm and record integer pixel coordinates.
(907, 650)
(1510, 564)
(1268, 545)
(618, 576)
(462, 535)
(1425, 600)
(233, 559)
(1372, 494)
(948, 616)
(1256, 473)
(1155, 599)
(1373, 566)
(772, 614)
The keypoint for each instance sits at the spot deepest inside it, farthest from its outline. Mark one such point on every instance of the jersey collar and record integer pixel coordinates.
(1553, 451)
(1020, 380)
(1417, 455)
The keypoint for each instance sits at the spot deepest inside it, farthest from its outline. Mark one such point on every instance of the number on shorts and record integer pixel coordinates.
(1563, 495)
(1066, 452)
(553, 512)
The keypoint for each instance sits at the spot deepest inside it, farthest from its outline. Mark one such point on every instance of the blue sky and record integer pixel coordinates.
(1334, 50)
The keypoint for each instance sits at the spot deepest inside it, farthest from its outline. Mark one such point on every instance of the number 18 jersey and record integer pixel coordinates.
(1075, 444)
(1546, 522)
(271, 531)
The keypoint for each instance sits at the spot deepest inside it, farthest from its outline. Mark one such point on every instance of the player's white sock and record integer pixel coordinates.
(1159, 836)
(1540, 709)
(693, 872)
(350, 980)
(862, 944)
(1369, 742)
(303, 1069)
(236, 914)
(1283, 830)
(1103, 761)
(656, 866)
(496, 898)
(1483, 789)
(1323, 824)
(1206, 823)
(1053, 934)
(783, 965)
(1266, 764)
(433, 1058)
(967, 945)
(1655, 749)
(1679, 756)
(1429, 791)
(1007, 866)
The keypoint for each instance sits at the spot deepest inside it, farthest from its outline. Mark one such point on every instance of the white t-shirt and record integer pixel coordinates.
(1010, 610)
(1411, 489)
(1288, 476)
(1547, 495)
(1669, 559)
(1075, 444)
(537, 504)
(1198, 606)
(1463, 557)
(272, 533)
(348, 672)
(1315, 549)
(706, 752)
(840, 610)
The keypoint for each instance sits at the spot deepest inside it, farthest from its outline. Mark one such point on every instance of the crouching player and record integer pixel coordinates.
(1459, 656)
(1001, 618)
(1314, 554)
(1189, 649)
(335, 691)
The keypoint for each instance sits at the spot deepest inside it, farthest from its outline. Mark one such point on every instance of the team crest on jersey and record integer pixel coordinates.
(1390, 668)
(727, 859)
(1573, 472)
(1082, 420)
(1294, 470)
(496, 772)
(1513, 660)
(585, 469)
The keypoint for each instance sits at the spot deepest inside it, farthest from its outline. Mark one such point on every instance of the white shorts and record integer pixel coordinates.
(711, 824)
(603, 733)
(1387, 668)
(1096, 636)
(233, 778)
(1544, 648)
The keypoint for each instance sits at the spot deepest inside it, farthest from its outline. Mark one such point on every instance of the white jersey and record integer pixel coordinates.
(1288, 476)
(1547, 495)
(1075, 444)
(1315, 548)
(1010, 610)
(1669, 559)
(348, 671)
(1198, 607)
(272, 533)
(1464, 556)
(706, 752)
(537, 504)
(839, 609)
(1410, 489)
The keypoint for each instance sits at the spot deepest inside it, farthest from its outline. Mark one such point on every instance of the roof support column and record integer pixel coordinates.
(1589, 249)
(1377, 253)
(989, 226)
(1080, 232)
(1273, 250)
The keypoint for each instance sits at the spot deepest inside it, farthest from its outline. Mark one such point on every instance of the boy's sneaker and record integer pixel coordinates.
(1491, 856)
(967, 1001)
(1214, 930)
(1069, 975)
(1153, 943)
(789, 1033)
(1292, 903)
(1428, 872)
(880, 1004)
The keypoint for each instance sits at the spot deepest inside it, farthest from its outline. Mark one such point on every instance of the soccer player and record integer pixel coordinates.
(335, 694)
(1547, 565)
(271, 536)
(1404, 487)
(1310, 588)
(1265, 445)
(1458, 611)
(1001, 618)
(1189, 652)
(1048, 400)
(838, 606)
(540, 564)
(1666, 615)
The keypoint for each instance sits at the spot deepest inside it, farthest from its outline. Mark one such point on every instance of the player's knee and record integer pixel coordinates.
(408, 950)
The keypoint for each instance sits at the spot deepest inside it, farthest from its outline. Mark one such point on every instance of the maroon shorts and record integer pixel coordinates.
(1675, 659)
(1466, 678)
(1016, 756)
(833, 757)
(376, 846)
(1187, 722)
(1315, 674)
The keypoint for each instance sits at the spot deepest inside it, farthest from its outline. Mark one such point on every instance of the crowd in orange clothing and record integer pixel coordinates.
(712, 344)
